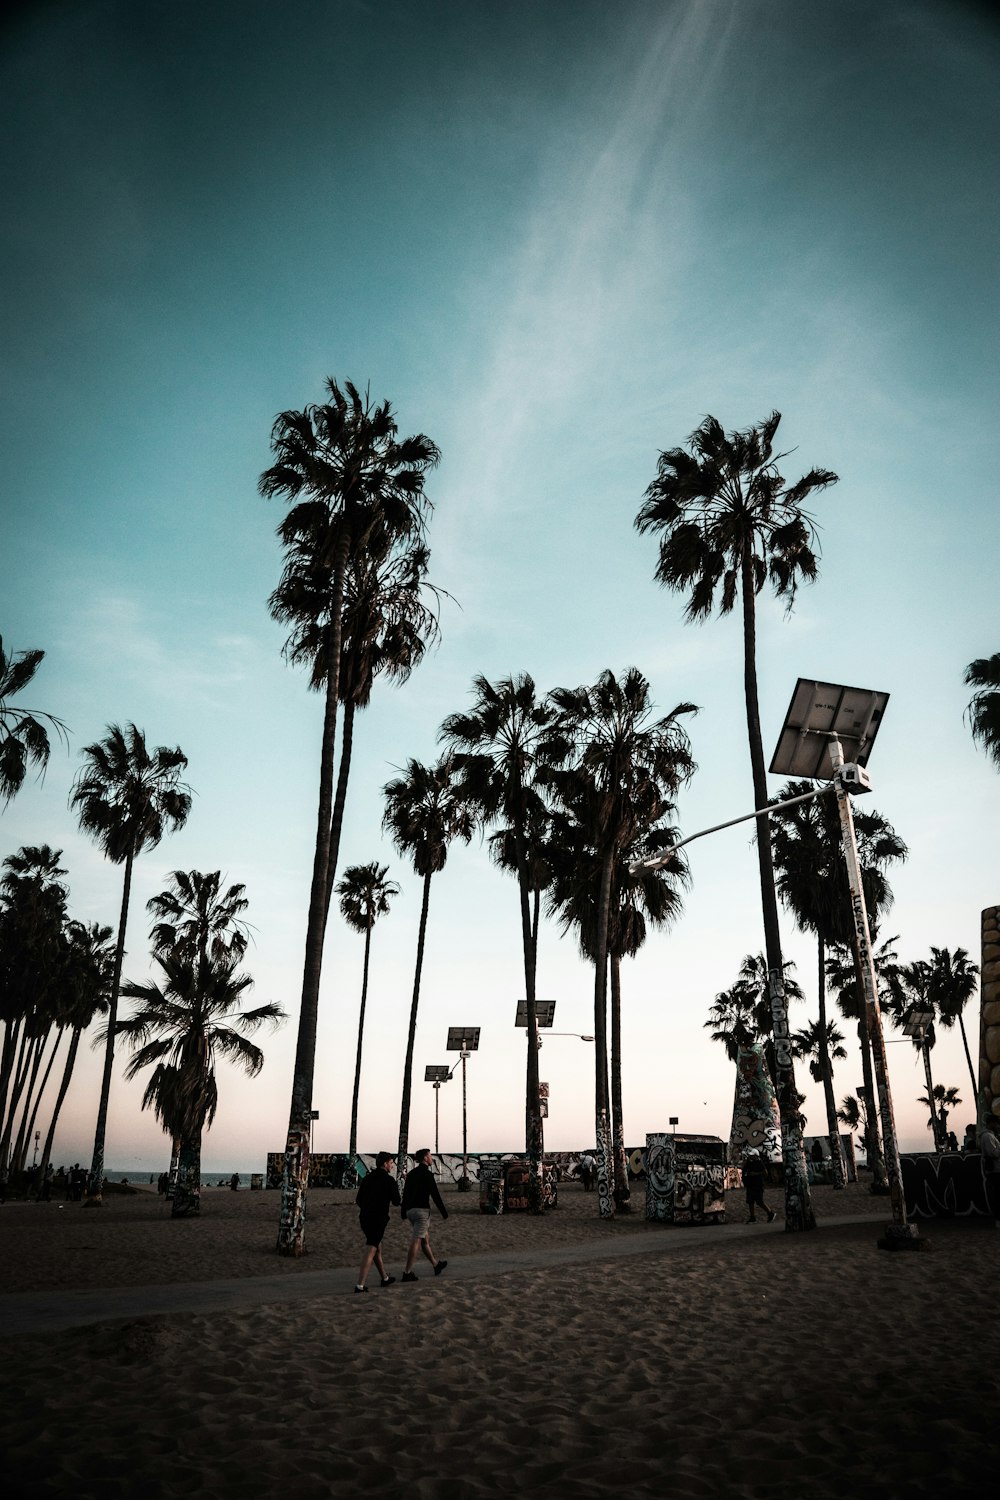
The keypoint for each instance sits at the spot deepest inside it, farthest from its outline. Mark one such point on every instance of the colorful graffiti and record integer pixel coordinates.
(686, 1180)
(756, 1121)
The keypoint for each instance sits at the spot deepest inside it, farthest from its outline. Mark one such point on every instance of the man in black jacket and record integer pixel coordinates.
(376, 1195)
(418, 1190)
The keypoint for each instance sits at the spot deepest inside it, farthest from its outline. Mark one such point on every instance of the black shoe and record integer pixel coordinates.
(410, 1276)
(388, 1280)
(440, 1267)
(751, 1219)
(360, 1289)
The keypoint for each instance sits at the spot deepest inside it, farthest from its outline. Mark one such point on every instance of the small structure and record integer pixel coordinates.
(503, 1186)
(686, 1179)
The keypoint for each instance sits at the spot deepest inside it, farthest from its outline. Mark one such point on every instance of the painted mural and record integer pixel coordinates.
(947, 1186)
(756, 1121)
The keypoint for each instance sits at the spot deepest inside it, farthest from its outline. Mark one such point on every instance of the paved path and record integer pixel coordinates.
(51, 1312)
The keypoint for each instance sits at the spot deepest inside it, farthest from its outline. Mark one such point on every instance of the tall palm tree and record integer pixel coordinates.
(812, 883)
(424, 813)
(983, 713)
(365, 894)
(818, 1044)
(355, 488)
(496, 749)
(853, 1113)
(732, 1018)
(24, 738)
(951, 985)
(185, 1021)
(623, 769)
(728, 525)
(126, 797)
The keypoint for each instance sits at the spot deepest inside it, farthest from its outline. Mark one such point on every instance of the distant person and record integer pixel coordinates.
(376, 1195)
(418, 1190)
(47, 1181)
(989, 1145)
(234, 1181)
(754, 1176)
(969, 1142)
(588, 1167)
(951, 1141)
(162, 1183)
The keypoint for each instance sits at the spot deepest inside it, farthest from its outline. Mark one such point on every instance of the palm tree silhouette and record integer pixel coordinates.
(185, 1021)
(951, 985)
(126, 798)
(365, 894)
(24, 738)
(198, 917)
(910, 992)
(729, 525)
(939, 1102)
(87, 982)
(497, 748)
(424, 812)
(356, 488)
(622, 771)
(842, 974)
(983, 712)
(812, 883)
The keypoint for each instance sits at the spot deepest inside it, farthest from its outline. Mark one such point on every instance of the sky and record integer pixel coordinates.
(554, 235)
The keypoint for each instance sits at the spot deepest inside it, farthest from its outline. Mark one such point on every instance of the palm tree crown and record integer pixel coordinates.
(24, 738)
(198, 917)
(128, 797)
(983, 713)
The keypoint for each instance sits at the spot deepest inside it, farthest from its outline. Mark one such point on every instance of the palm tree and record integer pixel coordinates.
(951, 985)
(818, 1044)
(87, 984)
(496, 749)
(24, 738)
(356, 488)
(939, 1102)
(365, 894)
(424, 812)
(842, 974)
(729, 525)
(853, 1113)
(624, 770)
(812, 883)
(127, 798)
(198, 917)
(185, 1021)
(910, 994)
(983, 713)
(732, 1016)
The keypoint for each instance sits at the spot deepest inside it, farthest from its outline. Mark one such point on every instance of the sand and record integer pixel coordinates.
(736, 1362)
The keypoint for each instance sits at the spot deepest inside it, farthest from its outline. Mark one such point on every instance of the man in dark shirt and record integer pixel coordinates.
(418, 1190)
(376, 1195)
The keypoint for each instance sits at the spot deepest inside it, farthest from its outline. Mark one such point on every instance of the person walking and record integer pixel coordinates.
(753, 1181)
(376, 1194)
(418, 1190)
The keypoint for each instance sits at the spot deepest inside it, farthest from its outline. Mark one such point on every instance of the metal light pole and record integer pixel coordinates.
(463, 1039)
(437, 1073)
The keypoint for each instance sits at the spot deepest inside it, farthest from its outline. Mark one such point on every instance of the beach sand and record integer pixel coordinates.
(728, 1363)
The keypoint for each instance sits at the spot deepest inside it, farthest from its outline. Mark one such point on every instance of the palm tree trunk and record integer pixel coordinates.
(95, 1180)
(533, 1143)
(605, 1160)
(622, 1194)
(12, 1031)
(32, 1063)
(340, 799)
(404, 1111)
(40, 1092)
(74, 1044)
(932, 1102)
(295, 1176)
(968, 1055)
(187, 1188)
(352, 1150)
(19, 1070)
(826, 1063)
(873, 1150)
(798, 1202)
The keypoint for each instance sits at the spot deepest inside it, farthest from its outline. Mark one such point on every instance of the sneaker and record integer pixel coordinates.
(410, 1276)
(360, 1289)
(388, 1280)
(440, 1267)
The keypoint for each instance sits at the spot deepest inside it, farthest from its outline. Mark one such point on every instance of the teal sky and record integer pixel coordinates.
(554, 236)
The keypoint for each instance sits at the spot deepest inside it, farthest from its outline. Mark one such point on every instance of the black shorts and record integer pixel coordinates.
(373, 1230)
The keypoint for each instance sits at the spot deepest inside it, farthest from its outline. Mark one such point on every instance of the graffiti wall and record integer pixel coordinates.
(948, 1186)
(819, 1163)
